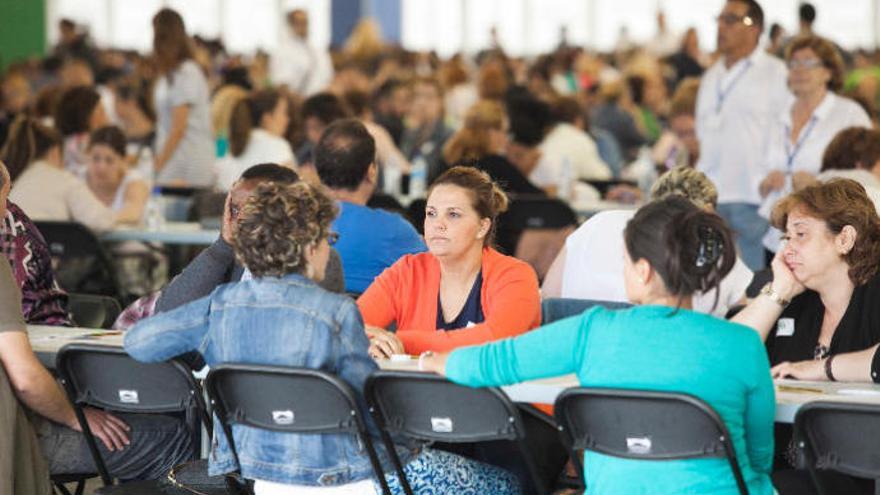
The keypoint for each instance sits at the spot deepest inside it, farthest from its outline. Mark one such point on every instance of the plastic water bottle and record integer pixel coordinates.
(565, 184)
(154, 216)
(418, 178)
(391, 175)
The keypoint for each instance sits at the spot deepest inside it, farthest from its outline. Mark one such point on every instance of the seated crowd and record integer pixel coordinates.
(731, 273)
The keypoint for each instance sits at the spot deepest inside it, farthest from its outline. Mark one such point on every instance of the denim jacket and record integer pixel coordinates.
(287, 321)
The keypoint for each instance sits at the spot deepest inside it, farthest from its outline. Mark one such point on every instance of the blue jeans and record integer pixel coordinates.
(750, 228)
(158, 443)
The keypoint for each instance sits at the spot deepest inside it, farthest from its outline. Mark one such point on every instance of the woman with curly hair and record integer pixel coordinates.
(283, 237)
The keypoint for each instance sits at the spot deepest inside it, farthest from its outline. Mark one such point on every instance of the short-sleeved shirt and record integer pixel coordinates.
(858, 330)
(371, 240)
(11, 319)
(193, 158)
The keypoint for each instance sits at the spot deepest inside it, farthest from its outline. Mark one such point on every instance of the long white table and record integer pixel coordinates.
(790, 394)
(190, 233)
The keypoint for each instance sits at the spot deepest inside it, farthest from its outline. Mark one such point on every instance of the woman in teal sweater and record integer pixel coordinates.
(672, 250)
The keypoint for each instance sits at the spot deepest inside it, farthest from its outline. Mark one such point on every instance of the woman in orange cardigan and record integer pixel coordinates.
(461, 292)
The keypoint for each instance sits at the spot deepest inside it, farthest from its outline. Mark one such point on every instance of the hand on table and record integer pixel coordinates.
(383, 343)
(812, 370)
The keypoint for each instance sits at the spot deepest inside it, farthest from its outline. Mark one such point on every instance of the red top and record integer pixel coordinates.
(407, 293)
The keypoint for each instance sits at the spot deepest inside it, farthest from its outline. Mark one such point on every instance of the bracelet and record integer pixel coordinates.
(828, 372)
(774, 296)
(422, 356)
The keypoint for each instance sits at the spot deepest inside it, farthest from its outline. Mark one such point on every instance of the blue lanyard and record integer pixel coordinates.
(790, 153)
(722, 95)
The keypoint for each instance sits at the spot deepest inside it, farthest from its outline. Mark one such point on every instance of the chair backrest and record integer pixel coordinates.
(92, 310)
(108, 378)
(641, 424)
(289, 400)
(557, 308)
(535, 215)
(80, 261)
(840, 437)
(430, 408)
(272, 398)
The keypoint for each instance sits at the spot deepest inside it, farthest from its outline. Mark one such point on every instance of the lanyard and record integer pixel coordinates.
(791, 153)
(721, 95)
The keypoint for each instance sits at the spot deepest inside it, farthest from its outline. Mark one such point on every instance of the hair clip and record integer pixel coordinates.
(710, 247)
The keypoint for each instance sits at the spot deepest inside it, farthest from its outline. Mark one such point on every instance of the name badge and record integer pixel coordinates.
(714, 121)
(785, 327)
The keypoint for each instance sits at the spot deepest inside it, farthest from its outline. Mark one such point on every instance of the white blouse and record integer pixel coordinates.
(46, 192)
(834, 114)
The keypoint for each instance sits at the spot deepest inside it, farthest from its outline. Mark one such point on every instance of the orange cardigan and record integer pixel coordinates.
(407, 293)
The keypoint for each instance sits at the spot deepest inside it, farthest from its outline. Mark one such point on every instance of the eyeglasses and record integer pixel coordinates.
(332, 238)
(731, 19)
(809, 63)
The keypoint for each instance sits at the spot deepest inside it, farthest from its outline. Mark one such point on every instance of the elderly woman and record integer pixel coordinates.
(672, 250)
(821, 305)
(461, 292)
(801, 134)
(283, 237)
(590, 265)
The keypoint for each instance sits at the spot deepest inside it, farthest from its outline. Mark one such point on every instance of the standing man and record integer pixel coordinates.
(297, 65)
(739, 97)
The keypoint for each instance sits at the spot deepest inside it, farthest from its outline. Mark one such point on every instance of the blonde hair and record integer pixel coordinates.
(688, 183)
(471, 142)
(222, 105)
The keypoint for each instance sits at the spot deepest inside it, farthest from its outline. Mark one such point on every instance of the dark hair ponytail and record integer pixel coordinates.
(28, 141)
(692, 250)
(247, 114)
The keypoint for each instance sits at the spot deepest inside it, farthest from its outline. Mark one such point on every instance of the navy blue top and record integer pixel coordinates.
(471, 312)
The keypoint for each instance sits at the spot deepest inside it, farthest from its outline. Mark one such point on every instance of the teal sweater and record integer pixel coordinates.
(651, 348)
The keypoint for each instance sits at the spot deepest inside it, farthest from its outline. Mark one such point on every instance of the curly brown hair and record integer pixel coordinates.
(840, 202)
(278, 223)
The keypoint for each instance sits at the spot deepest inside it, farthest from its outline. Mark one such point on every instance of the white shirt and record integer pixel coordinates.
(594, 266)
(833, 114)
(735, 110)
(262, 147)
(566, 142)
(363, 487)
(193, 159)
(864, 177)
(303, 68)
(119, 197)
(46, 192)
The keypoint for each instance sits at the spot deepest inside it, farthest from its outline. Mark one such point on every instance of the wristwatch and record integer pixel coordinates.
(768, 291)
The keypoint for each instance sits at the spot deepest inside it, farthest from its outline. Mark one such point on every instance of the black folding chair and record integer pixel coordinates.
(79, 259)
(287, 400)
(528, 212)
(430, 408)
(839, 436)
(106, 377)
(641, 424)
(92, 310)
(557, 308)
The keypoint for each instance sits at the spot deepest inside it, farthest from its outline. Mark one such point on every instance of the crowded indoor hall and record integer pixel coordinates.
(424, 247)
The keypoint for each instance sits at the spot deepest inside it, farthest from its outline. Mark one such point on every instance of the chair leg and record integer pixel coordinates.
(395, 460)
(80, 487)
(533, 470)
(62, 489)
(377, 466)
